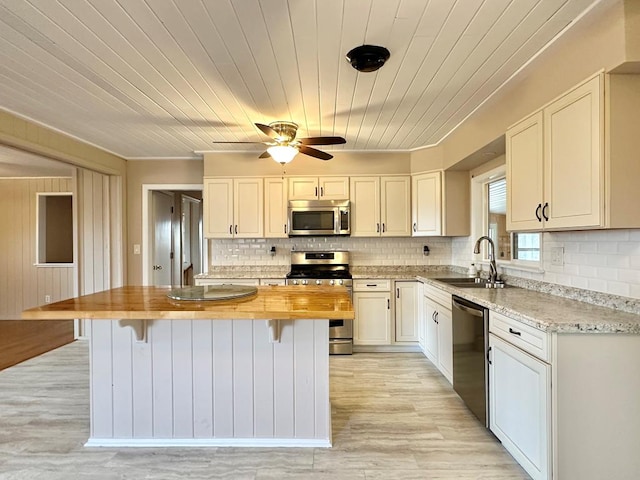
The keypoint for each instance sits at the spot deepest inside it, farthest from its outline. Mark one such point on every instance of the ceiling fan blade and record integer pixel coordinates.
(222, 141)
(312, 152)
(267, 130)
(322, 141)
(265, 155)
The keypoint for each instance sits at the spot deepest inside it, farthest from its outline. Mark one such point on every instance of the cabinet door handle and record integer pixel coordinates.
(545, 211)
(488, 358)
(538, 212)
(384, 228)
(377, 228)
(388, 304)
(397, 293)
(285, 228)
(236, 229)
(515, 332)
(230, 229)
(433, 316)
(322, 191)
(437, 315)
(415, 227)
(316, 191)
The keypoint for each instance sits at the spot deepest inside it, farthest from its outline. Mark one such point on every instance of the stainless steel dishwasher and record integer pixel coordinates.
(470, 345)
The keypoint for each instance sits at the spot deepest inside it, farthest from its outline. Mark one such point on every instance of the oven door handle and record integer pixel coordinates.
(472, 311)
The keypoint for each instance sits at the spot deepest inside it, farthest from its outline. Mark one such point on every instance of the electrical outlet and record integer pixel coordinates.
(557, 256)
(136, 249)
(47, 299)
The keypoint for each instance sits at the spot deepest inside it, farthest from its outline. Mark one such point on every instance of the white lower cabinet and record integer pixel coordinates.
(372, 325)
(406, 311)
(438, 330)
(520, 405)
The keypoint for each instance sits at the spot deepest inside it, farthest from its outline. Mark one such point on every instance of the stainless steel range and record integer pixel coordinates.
(330, 269)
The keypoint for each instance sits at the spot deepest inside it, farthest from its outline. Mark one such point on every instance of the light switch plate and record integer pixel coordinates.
(557, 256)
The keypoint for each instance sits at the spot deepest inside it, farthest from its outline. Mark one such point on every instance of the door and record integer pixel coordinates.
(406, 312)
(365, 207)
(217, 201)
(426, 198)
(445, 343)
(520, 393)
(248, 205)
(303, 188)
(162, 215)
(524, 156)
(395, 206)
(275, 208)
(372, 322)
(431, 331)
(334, 188)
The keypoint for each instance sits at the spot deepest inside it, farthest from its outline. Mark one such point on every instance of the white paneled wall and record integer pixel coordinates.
(210, 382)
(605, 261)
(364, 251)
(22, 284)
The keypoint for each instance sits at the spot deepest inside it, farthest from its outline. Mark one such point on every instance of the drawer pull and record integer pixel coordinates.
(372, 284)
(515, 332)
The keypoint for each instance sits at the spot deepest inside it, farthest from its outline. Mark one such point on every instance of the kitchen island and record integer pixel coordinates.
(247, 372)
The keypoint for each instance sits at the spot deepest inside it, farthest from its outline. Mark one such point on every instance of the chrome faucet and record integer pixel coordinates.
(493, 270)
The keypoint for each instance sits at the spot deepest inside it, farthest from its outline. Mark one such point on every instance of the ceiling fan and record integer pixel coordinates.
(284, 145)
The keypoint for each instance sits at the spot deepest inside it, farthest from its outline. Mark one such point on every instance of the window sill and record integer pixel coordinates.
(52, 265)
(513, 266)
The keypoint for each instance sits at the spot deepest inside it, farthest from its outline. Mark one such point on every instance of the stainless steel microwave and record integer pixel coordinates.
(319, 217)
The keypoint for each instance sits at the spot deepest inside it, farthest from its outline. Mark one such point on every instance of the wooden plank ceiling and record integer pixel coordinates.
(165, 78)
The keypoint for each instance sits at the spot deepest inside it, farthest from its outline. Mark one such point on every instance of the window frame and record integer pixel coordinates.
(480, 221)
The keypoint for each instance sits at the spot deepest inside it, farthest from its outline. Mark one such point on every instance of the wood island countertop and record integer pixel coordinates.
(148, 303)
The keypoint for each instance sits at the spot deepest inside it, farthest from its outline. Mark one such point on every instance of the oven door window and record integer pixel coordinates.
(319, 221)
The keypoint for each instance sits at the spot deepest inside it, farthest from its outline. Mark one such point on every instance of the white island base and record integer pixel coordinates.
(201, 383)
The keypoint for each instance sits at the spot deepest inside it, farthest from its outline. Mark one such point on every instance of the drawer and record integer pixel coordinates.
(530, 339)
(363, 285)
(227, 281)
(437, 295)
(272, 281)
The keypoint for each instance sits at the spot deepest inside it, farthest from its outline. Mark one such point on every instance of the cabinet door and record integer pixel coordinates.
(524, 158)
(573, 158)
(217, 207)
(303, 188)
(395, 206)
(426, 199)
(431, 331)
(406, 312)
(422, 318)
(275, 208)
(519, 405)
(365, 207)
(445, 343)
(248, 208)
(372, 324)
(333, 188)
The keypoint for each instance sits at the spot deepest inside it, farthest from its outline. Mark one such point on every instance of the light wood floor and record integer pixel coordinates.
(394, 417)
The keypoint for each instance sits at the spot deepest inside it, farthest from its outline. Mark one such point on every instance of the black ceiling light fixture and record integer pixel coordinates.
(368, 58)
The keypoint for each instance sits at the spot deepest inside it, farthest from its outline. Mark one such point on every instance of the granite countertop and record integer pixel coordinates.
(151, 303)
(534, 305)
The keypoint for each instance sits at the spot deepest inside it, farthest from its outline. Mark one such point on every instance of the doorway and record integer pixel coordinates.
(172, 238)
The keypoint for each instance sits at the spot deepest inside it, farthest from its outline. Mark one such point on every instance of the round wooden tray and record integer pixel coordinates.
(212, 292)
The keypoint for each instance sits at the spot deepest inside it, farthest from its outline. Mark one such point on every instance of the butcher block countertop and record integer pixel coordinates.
(148, 303)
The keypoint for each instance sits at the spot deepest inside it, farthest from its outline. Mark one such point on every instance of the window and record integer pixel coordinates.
(54, 213)
(490, 218)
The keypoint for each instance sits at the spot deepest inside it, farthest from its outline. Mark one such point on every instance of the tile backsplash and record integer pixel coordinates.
(606, 261)
(364, 251)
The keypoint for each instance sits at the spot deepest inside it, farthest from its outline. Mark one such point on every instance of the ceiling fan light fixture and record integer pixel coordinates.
(282, 153)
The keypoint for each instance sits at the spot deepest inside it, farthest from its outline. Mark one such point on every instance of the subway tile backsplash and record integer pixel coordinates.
(606, 261)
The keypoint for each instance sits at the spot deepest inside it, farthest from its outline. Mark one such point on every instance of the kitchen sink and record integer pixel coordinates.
(469, 282)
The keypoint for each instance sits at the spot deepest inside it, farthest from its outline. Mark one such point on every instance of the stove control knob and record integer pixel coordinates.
(332, 282)
(340, 282)
(305, 282)
(318, 282)
(295, 282)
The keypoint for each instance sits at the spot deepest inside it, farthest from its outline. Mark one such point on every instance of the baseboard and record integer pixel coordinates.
(386, 349)
(208, 442)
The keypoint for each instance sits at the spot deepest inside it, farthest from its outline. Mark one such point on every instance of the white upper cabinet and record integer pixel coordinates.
(319, 188)
(440, 204)
(275, 208)
(233, 207)
(569, 165)
(380, 206)
(426, 204)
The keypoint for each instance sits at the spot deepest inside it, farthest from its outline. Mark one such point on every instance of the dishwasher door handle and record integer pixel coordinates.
(472, 311)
